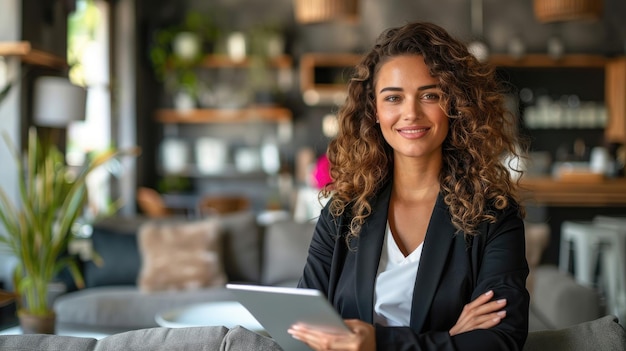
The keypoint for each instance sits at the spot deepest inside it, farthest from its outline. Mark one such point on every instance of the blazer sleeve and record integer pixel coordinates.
(500, 260)
(317, 269)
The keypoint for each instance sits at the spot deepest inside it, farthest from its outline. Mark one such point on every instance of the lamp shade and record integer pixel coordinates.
(57, 102)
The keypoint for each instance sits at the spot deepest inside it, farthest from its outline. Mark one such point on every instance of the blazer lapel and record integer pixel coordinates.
(439, 237)
(368, 251)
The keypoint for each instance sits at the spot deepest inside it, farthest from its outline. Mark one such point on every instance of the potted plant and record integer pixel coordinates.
(177, 50)
(38, 229)
(266, 44)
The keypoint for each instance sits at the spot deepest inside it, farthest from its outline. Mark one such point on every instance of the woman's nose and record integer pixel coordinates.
(412, 109)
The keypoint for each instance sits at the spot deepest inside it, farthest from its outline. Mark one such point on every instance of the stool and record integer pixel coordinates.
(613, 249)
(581, 236)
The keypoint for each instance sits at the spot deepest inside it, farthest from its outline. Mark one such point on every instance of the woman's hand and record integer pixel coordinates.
(480, 314)
(362, 337)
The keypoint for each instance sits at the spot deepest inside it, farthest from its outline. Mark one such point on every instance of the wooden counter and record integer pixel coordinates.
(550, 192)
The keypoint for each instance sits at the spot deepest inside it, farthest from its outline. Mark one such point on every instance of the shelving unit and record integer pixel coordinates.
(600, 78)
(612, 71)
(231, 149)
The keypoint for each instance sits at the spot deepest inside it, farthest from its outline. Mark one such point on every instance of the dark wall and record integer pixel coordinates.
(44, 24)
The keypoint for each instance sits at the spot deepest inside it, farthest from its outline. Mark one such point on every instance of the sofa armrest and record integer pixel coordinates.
(559, 301)
(603, 334)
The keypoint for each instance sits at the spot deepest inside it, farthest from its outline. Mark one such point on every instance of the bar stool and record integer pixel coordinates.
(613, 264)
(579, 236)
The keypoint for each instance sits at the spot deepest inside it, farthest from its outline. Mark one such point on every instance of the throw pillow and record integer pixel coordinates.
(180, 256)
(285, 251)
(241, 240)
(115, 241)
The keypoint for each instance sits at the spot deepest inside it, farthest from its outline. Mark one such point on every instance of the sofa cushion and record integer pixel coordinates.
(598, 335)
(43, 342)
(180, 256)
(242, 246)
(240, 338)
(285, 251)
(165, 339)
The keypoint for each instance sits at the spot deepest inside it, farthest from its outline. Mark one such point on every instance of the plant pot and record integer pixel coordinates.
(184, 101)
(36, 324)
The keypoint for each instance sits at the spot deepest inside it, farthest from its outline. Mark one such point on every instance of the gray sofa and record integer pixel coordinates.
(603, 334)
(111, 302)
(269, 255)
(563, 313)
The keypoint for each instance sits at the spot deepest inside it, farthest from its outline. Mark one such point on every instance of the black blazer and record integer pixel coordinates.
(453, 271)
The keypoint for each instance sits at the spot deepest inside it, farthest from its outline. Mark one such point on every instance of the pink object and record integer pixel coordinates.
(321, 172)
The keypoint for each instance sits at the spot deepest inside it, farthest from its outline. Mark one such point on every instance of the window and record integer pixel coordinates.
(88, 57)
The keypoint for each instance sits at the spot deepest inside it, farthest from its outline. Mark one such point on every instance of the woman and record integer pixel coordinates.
(422, 245)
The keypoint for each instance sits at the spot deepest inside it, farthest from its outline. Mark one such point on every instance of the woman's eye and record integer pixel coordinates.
(431, 96)
(392, 98)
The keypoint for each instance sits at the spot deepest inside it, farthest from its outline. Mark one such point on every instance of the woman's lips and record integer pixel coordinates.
(413, 133)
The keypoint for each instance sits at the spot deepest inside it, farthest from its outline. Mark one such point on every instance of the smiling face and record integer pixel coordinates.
(407, 107)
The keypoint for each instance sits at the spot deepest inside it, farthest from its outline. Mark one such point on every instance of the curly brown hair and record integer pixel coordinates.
(482, 131)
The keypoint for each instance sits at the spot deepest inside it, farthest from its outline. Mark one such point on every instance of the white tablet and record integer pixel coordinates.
(278, 308)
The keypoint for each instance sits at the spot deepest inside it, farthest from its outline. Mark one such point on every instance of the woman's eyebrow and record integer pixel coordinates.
(389, 89)
(426, 87)
(422, 88)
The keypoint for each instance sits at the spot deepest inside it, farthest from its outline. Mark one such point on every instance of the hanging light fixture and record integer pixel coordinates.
(567, 10)
(314, 11)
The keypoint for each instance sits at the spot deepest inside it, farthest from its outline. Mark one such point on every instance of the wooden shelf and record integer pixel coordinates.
(551, 192)
(27, 54)
(251, 114)
(546, 61)
(223, 61)
(229, 172)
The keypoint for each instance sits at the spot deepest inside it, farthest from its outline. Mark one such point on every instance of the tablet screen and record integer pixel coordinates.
(278, 308)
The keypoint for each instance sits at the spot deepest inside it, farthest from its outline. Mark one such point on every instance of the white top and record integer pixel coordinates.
(395, 280)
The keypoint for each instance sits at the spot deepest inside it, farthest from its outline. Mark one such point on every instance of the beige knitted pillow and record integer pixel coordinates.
(180, 256)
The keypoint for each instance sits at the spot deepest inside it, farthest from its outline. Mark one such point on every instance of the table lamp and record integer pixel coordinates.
(57, 102)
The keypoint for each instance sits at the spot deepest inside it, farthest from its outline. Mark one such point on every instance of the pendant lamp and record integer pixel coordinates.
(567, 10)
(315, 11)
